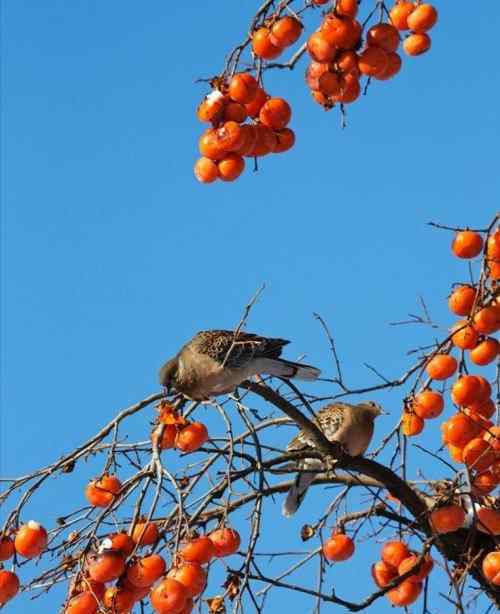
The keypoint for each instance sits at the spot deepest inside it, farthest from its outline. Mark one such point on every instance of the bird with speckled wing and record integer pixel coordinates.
(215, 362)
(350, 425)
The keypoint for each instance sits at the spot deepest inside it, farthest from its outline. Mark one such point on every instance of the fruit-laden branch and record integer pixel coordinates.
(460, 547)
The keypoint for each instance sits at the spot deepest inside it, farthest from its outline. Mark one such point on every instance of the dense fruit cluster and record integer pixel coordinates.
(340, 56)
(231, 138)
(397, 560)
(131, 577)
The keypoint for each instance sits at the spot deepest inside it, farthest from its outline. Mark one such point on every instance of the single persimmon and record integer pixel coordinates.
(461, 300)
(394, 553)
(145, 533)
(447, 519)
(411, 424)
(417, 44)
(229, 169)
(211, 106)
(428, 404)
(106, 566)
(491, 567)
(9, 586)
(399, 14)
(285, 32)
(460, 429)
(347, 8)
(235, 111)
(339, 547)
(488, 520)
(478, 454)
(285, 140)
(487, 320)
(484, 482)
(7, 548)
(467, 243)
(341, 32)
(441, 366)
(243, 88)
(198, 550)
(118, 600)
(485, 352)
(464, 336)
(226, 541)
(383, 573)
(146, 570)
(320, 49)
(465, 390)
(373, 61)
(169, 597)
(383, 35)
(347, 62)
(119, 541)
(423, 18)
(83, 603)
(30, 540)
(405, 593)
(262, 45)
(191, 575)
(192, 436)
(275, 113)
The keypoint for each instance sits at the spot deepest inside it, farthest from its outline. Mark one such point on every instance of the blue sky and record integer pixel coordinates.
(113, 255)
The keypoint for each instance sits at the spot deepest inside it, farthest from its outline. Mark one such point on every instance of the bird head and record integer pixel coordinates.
(168, 373)
(372, 408)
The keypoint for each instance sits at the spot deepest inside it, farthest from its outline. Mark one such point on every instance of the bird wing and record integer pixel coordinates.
(329, 420)
(235, 352)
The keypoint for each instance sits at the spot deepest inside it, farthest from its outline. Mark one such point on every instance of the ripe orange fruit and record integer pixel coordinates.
(285, 140)
(285, 31)
(83, 603)
(491, 567)
(139, 593)
(226, 541)
(466, 390)
(198, 550)
(31, 540)
(347, 8)
(203, 169)
(253, 108)
(229, 169)
(462, 300)
(329, 83)
(484, 482)
(373, 61)
(428, 404)
(7, 548)
(487, 320)
(243, 88)
(342, 32)
(383, 573)
(145, 533)
(320, 49)
(146, 570)
(383, 35)
(447, 519)
(422, 18)
(211, 106)
(464, 335)
(106, 566)
(467, 244)
(460, 429)
(250, 137)
(493, 245)
(405, 593)
(102, 492)
(484, 389)
(169, 597)
(416, 44)
(411, 424)
(488, 520)
(347, 62)
(122, 542)
(265, 141)
(410, 562)
(9, 586)
(394, 553)
(118, 600)
(262, 45)
(191, 575)
(399, 14)
(216, 143)
(192, 437)
(275, 113)
(314, 72)
(482, 408)
(350, 89)
(478, 454)
(493, 269)
(485, 352)
(339, 547)
(235, 111)
(441, 366)
(393, 67)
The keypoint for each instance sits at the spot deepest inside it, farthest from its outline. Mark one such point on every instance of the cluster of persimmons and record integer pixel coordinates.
(469, 435)
(248, 123)
(115, 575)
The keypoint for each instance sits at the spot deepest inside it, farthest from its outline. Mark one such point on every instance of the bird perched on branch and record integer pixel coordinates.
(215, 361)
(349, 425)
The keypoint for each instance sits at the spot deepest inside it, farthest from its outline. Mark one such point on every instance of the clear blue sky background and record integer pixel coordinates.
(113, 254)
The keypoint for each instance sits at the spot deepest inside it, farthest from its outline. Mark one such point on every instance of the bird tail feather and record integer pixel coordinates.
(288, 369)
(297, 493)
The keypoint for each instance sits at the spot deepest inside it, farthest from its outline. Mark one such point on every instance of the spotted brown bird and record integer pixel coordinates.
(350, 425)
(215, 361)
